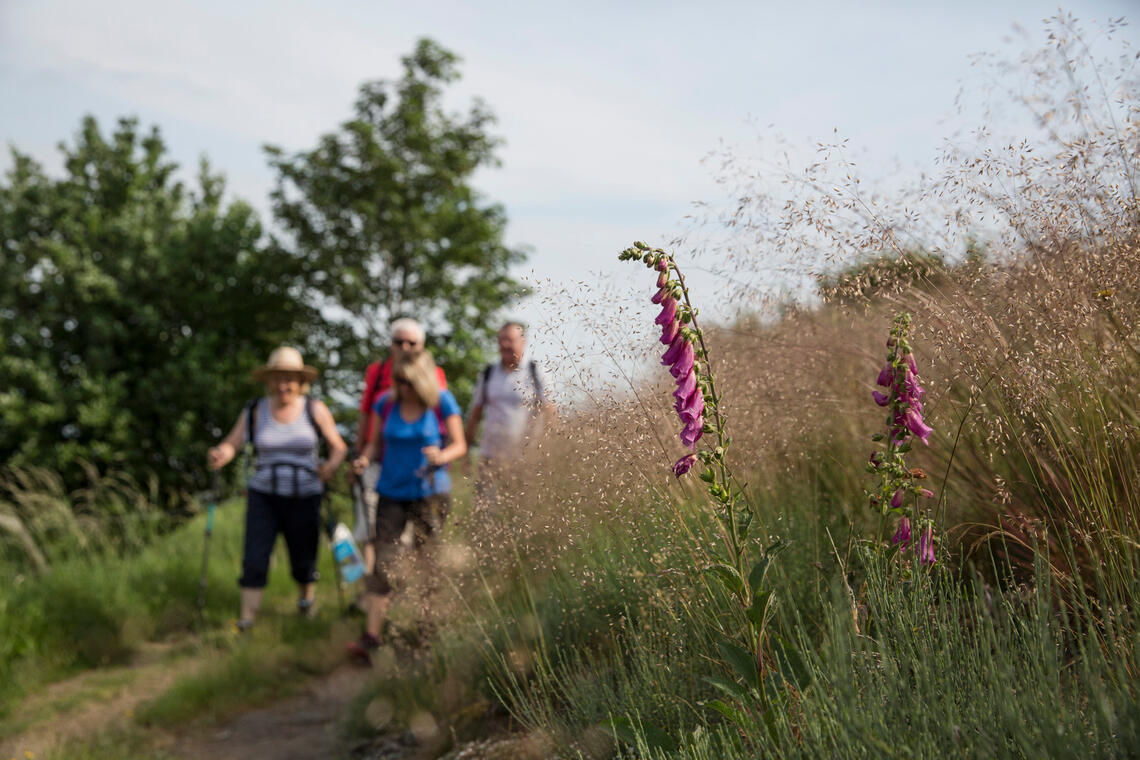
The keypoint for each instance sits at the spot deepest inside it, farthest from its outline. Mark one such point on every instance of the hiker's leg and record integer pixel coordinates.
(301, 523)
(371, 498)
(427, 518)
(377, 613)
(390, 519)
(250, 604)
(260, 535)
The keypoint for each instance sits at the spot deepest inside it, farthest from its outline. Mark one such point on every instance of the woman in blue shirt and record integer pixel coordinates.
(420, 433)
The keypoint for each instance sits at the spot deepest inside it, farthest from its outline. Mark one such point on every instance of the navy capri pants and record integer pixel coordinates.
(266, 515)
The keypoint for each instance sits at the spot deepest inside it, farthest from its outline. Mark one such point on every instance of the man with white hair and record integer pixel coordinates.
(511, 403)
(407, 340)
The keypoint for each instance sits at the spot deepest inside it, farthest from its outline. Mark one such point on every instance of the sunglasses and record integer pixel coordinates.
(403, 381)
(284, 377)
(404, 342)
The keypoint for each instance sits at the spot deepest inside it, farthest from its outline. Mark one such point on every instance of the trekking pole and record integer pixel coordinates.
(330, 529)
(212, 506)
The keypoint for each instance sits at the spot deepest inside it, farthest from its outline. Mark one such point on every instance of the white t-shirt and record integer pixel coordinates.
(510, 408)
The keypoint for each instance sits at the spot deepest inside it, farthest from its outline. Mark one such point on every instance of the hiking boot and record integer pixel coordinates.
(360, 651)
(307, 608)
(242, 626)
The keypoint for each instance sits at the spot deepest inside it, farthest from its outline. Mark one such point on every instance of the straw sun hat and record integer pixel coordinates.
(286, 359)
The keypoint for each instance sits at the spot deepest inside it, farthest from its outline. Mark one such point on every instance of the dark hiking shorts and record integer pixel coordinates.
(266, 515)
(427, 517)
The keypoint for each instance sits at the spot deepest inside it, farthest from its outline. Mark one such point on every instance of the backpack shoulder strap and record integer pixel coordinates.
(538, 389)
(387, 403)
(251, 423)
(486, 379)
(313, 420)
(374, 390)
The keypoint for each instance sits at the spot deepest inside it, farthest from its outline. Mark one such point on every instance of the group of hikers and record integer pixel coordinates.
(410, 429)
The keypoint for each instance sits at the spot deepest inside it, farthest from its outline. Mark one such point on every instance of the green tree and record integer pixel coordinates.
(383, 218)
(131, 309)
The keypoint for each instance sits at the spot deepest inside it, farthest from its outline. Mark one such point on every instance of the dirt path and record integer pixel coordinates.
(304, 727)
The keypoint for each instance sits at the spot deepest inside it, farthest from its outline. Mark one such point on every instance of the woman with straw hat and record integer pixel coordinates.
(284, 493)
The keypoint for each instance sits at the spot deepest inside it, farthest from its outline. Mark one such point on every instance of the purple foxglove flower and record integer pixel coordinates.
(668, 310)
(926, 546)
(692, 432)
(886, 376)
(684, 363)
(909, 359)
(915, 424)
(881, 399)
(910, 387)
(926, 493)
(897, 499)
(669, 332)
(691, 407)
(659, 295)
(662, 279)
(672, 353)
(662, 265)
(685, 385)
(684, 464)
(902, 535)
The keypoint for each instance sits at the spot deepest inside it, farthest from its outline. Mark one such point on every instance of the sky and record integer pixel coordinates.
(606, 109)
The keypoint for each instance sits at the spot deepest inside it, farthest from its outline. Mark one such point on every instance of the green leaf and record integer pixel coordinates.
(760, 569)
(791, 664)
(734, 715)
(625, 730)
(774, 687)
(728, 576)
(759, 605)
(742, 662)
(743, 522)
(731, 688)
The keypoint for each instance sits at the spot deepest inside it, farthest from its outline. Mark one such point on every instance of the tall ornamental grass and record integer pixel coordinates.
(1019, 641)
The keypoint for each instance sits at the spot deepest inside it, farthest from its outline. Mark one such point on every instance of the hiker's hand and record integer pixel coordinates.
(359, 465)
(219, 456)
(325, 472)
(432, 454)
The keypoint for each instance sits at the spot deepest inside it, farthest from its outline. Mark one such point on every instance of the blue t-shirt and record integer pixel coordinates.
(404, 472)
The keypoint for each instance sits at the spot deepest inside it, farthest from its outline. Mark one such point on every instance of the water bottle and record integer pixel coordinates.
(347, 556)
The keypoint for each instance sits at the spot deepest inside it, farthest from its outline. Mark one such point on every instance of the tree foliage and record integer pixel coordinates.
(385, 223)
(131, 309)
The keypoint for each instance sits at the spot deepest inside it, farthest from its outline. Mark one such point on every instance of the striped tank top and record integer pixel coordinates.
(286, 455)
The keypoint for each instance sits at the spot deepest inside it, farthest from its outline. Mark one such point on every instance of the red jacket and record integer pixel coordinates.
(378, 379)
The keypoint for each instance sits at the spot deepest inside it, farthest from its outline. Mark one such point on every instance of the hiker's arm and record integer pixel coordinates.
(337, 447)
(473, 421)
(221, 455)
(452, 451)
(366, 402)
(361, 429)
(365, 458)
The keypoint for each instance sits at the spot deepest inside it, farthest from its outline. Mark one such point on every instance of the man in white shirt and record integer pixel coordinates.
(510, 401)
